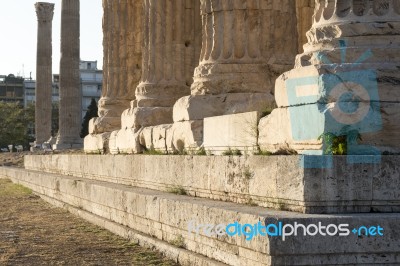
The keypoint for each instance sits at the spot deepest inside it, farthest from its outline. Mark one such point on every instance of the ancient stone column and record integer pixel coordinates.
(122, 44)
(245, 46)
(169, 57)
(240, 38)
(122, 62)
(305, 11)
(44, 12)
(344, 84)
(171, 48)
(70, 87)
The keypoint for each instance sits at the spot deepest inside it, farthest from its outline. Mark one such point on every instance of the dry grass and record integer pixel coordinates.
(33, 232)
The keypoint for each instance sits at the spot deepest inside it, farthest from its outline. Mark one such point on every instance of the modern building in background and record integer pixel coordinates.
(11, 89)
(91, 82)
(29, 91)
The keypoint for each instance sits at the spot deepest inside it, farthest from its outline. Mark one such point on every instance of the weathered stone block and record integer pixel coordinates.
(146, 137)
(166, 217)
(238, 131)
(299, 127)
(159, 136)
(125, 141)
(334, 185)
(185, 135)
(145, 117)
(96, 143)
(104, 124)
(112, 143)
(196, 107)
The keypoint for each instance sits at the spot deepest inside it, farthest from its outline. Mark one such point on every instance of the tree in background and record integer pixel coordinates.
(90, 113)
(15, 122)
(30, 121)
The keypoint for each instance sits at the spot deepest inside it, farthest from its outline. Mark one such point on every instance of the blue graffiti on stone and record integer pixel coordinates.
(339, 103)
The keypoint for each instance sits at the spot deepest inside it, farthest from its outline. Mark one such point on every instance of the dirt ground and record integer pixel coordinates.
(12, 159)
(16, 159)
(32, 232)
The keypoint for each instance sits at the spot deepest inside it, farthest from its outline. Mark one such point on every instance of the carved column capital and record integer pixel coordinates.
(329, 12)
(44, 11)
(361, 24)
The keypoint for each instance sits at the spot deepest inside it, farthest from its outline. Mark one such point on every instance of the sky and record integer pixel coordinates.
(18, 35)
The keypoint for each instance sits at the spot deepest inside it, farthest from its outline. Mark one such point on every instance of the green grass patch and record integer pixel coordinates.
(231, 152)
(263, 153)
(153, 151)
(177, 190)
(8, 188)
(201, 152)
(178, 242)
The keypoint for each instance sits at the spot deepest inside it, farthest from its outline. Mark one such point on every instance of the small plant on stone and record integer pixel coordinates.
(231, 152)
(201, 152)
(237, 152)
(177, 190)
(247, 173)
(250, 202)
(285, 151)
(179, 242)
(338, 144)
(282, 206)
(228, 152)
(152, 151)
(262, 153)
(176, 152)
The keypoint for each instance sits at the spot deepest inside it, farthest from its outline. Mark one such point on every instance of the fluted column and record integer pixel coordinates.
(70, 87)
(44, 12)
(245, 46)
(355, 20)
(305, 11)
(245, 43)
(345, 82)
(170, 53)
(122, 49)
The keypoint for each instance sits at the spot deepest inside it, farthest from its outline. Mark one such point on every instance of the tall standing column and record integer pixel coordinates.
(70, 89)
(170, 53)
(44, 12)
(171, 48)
(122, 46)
(122, 66)
(344, 84)
(305, 10)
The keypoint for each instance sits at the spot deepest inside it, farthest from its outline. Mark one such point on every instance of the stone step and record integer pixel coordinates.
(350, 184)
(158, 218)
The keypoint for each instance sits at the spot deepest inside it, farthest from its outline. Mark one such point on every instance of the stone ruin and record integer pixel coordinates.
(167, 67)
(44, 12)
(218, 74)
(345, 80)
(175, 73)
(70, 89)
